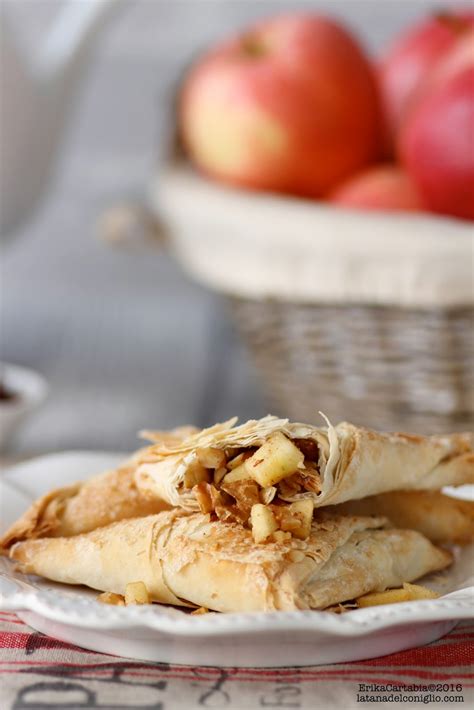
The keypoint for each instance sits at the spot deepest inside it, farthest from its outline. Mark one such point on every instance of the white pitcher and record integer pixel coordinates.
(35, 98)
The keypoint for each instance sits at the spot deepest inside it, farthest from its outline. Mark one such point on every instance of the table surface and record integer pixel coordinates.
(125, 340)
(39, 672)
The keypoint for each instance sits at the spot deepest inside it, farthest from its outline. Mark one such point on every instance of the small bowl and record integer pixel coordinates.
(29, 390)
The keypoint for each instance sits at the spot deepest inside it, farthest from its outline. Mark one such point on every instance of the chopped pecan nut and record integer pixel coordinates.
(295, 518)
(289, 523)
(245, 494)
(203, 496)
(290, 486)
(309, 479)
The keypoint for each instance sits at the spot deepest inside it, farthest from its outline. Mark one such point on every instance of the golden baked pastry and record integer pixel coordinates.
(190, 559)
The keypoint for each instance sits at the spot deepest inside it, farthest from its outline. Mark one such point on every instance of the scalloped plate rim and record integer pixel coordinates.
(356, 623)
(57, 607)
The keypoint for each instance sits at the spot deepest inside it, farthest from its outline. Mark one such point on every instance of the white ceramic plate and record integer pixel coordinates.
(158, 633)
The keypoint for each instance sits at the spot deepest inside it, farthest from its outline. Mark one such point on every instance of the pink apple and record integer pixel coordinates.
(290, 105)
(416, 53)
(436, 144)
(384, 187)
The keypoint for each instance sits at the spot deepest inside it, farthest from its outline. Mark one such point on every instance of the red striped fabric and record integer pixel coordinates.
(28, 658)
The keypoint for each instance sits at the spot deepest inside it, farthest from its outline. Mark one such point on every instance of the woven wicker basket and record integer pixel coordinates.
(368, 318)
(385, 367)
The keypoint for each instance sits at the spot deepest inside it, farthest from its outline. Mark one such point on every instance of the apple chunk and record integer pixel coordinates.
(277, 458)
(195, 473)
(240, 473)
(303, 511)
(136, 593)
(263, 522)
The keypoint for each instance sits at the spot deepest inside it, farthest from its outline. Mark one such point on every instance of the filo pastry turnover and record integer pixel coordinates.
(290, 461)
(87, 505)
(441, 518)
(192, 560)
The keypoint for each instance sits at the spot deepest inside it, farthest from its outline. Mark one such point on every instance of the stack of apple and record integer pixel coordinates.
(294, 105)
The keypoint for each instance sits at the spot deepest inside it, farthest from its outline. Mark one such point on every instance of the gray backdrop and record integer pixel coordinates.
(124, 339)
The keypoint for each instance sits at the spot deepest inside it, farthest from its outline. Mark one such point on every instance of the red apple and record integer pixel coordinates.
(436, 144)
(290, 105)
(460, 57)
(384, 187)
(409, 62)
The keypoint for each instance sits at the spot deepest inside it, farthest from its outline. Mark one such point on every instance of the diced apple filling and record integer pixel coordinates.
(211, 457)
(407, 593)
(238, 474)
(302, 510)
(277, 458)
(136, 593)
(294, 519)
(263, 522)
(237, 460)
(195, 473)
(233, 483)
(203, 492)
